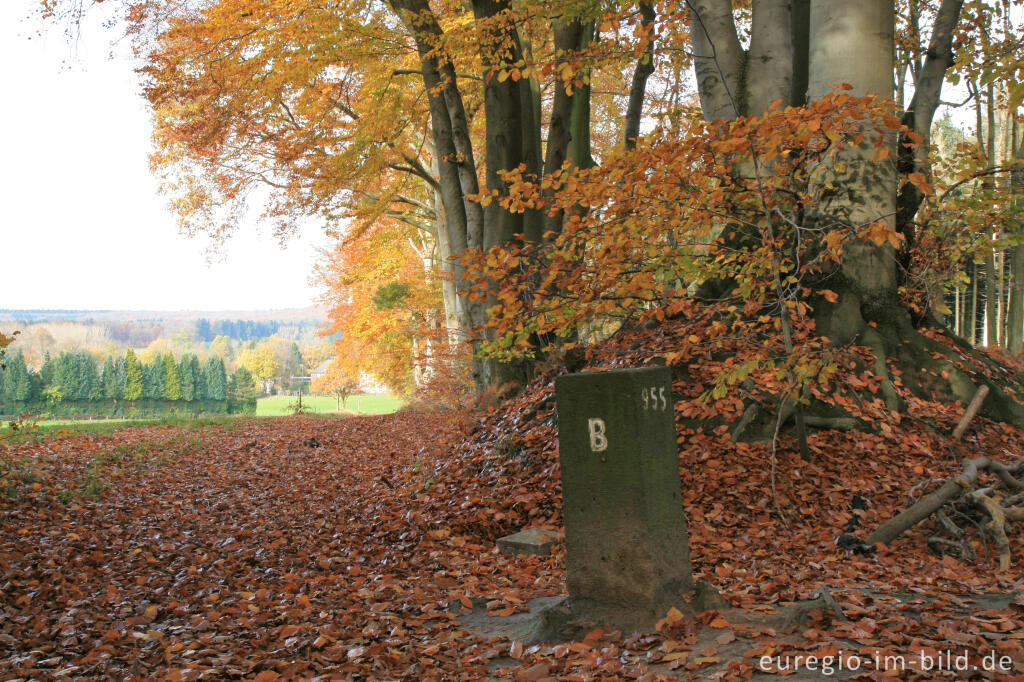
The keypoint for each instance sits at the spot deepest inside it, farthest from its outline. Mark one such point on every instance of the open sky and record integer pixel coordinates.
(81, 222)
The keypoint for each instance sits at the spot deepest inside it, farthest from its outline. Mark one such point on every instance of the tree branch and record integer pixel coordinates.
(921, 111)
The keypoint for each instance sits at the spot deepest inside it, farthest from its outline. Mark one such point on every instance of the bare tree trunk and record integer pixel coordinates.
(734, 82)
(719, 58)
(1015, 308)
(770, 62)
(567, 38)
(638, 87)
(579, 138)
(505, 115)
(921, 110)
(957, 326)
(465, 222)
(1000, 300)
(975, 282)
(991, 293)
(455, 314)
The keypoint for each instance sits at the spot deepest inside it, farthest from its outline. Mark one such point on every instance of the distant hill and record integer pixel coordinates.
(310, 313)
(180, 331)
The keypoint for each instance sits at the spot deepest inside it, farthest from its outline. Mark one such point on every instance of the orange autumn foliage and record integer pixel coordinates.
(385, 302)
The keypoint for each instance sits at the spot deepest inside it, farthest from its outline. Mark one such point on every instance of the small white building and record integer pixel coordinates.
(320, 370)
(367, 382)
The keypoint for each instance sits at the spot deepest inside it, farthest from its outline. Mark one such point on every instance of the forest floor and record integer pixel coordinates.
(364, 548)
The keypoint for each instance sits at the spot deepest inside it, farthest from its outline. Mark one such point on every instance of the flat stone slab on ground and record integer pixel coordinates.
(533, 541)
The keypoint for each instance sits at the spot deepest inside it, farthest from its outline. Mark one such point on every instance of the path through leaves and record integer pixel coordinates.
(301, 548)
(290, 547)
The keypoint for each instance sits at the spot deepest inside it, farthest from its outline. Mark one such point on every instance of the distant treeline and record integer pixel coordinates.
(144, 332)
(43, 334)
(239, 330)
(75, 384)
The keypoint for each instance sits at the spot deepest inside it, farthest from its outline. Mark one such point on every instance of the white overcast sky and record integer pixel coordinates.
(81, 223)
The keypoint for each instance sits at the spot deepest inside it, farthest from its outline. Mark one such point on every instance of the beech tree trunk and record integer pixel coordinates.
(512, 134)
(921, 110)
(465, 223)
(867, 283)
(638, 87)
(1015, 307)
(991, 297)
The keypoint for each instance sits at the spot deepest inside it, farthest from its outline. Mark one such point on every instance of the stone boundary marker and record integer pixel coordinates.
(627, 552)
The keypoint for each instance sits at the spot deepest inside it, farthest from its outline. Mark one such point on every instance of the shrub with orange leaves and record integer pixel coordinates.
(646, 229)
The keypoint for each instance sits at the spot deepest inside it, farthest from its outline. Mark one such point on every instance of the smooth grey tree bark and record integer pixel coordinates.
(718, 58)
(770, 59)
(866, 190)
(1015, 307)
(847, 42)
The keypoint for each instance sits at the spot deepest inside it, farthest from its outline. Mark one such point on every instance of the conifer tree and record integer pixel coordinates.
(97, 392)
(5, 384)
(121, 375)
(187, 378)
(133, 389)
(65, 377)
(47, 370)
(15, 381)
(83, 363)
(242, 386)
(154, 379)
(197, 377)
(215, 379)
(111, 389)
(172, 378)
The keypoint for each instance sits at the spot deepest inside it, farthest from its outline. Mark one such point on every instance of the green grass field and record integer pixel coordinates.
(60, 427)
(367, 403)
(271, 406)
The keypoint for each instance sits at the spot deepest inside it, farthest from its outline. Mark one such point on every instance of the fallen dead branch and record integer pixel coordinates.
(963, 487)
(972, 409)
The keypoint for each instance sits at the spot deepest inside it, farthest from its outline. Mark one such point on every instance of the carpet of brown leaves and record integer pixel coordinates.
(303, 547)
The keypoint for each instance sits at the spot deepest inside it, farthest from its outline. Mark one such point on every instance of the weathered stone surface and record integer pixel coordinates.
(533, 541)
(627, 553)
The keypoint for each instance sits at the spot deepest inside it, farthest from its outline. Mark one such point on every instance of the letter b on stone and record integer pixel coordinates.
(598, 439)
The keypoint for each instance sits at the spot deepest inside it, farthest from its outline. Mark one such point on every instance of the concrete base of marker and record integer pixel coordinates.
(572, 619)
